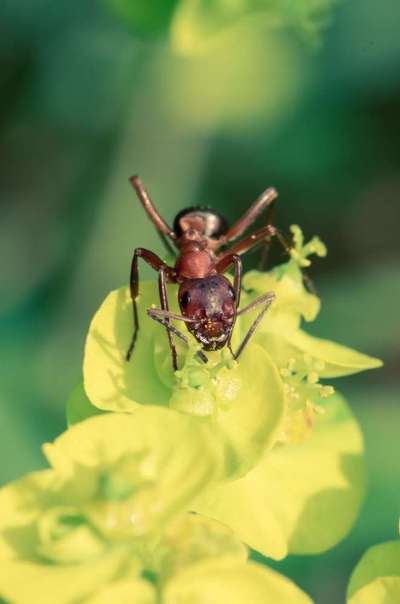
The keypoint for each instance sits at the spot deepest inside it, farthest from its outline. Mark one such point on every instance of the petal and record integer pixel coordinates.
(246, 403)
(79, 407)
(384, 590)
(330, 359)
(247, 406)
(65, 537)
(20, 504)
(377, 575)
(175, 455)
(292, 301)
(289, 502)
(193, 538)
(338, 360)
(128, 591)
(24, 582)
(227, 580)
(111, 382)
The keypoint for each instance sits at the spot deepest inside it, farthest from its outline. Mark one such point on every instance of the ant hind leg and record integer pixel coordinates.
(157, 264)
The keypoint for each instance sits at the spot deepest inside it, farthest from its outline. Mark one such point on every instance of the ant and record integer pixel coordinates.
(208, 302)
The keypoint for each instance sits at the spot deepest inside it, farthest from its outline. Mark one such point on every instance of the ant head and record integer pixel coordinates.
(210, 303)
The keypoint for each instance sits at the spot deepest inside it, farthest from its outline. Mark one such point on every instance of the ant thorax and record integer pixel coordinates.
(210, 303)
(194, 263)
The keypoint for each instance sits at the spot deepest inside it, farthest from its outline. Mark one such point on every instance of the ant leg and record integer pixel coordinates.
(266, 247)
(155, 262)
(223, 266)
(309, 283)
(149, 207)
(263, 201)
(266, 300)
(224, 262)
(154, 315)
(286, 246)
(249, 242)
(164, 306)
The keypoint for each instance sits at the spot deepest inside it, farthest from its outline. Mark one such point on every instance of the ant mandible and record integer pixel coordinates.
(208, 302)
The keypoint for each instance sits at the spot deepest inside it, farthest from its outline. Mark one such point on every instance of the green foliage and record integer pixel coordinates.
(195, 22)
(151, 16)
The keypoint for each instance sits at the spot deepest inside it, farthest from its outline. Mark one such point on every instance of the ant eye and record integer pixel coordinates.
(231, 293)
(185, 299)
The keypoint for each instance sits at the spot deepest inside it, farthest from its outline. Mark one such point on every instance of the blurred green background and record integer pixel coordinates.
(210, 102)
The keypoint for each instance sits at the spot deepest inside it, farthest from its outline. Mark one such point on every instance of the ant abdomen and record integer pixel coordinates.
(208, 222)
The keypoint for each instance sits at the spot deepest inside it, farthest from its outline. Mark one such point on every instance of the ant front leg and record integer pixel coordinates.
(223, 265)
(265, 300)
(162, 288)
(162, 317)
(155, 262)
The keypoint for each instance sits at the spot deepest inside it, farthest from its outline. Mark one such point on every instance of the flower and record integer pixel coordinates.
(116, 480)
(292, 449)
(106, 523)
(376, 578)
(242, 402)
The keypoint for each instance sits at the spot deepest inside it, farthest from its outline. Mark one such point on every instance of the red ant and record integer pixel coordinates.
(209, 303)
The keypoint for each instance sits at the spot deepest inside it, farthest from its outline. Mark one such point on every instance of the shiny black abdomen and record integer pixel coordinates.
(215, 224)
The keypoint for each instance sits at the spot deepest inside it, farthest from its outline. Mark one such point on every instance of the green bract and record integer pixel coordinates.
(376, 578)
(301, 359)
(243, 403)
(191, 557)
(116, 481)
(144, 467)
(201, 561)
(226, 580)
(263, 407)
(289, 502)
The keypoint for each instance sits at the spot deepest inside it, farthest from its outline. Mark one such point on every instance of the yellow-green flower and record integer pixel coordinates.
(376, 578)
(116, 481)
(59, 544)
(292, 447)
(198, 561)
(301, 498)
(242, 402)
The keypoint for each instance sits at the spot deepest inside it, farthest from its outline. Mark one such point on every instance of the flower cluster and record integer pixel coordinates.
(164, 479)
